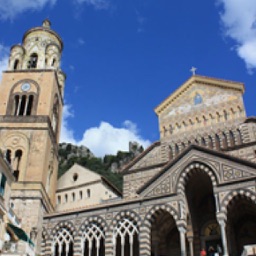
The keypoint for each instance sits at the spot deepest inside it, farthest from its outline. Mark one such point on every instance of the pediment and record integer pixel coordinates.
(151, 156)
(198, 93)
(226, 169)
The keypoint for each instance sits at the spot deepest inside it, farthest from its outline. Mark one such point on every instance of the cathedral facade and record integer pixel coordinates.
(194, 188)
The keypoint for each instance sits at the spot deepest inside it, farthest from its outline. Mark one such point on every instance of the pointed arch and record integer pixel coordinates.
(92, 233)
(126, 234)
(63, 239)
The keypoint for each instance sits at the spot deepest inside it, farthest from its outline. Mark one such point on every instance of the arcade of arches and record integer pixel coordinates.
(178, 224)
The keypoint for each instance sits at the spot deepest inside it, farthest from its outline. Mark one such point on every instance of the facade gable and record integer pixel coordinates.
(199, 103)
(77, 175)
(221, 169)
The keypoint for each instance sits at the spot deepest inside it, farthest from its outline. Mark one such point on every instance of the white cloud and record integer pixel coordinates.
(104, 139)
(67, 135)
(239, 23)
(97, 4)
(4, 56)
(9, 9)
(107, 139)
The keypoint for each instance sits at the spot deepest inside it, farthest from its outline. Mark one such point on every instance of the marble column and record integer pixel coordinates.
(109, 244)
(77, 246)
(181, 225)
(191, 245)
(221, 217)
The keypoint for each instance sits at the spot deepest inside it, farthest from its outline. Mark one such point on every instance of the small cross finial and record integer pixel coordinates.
(193, 70)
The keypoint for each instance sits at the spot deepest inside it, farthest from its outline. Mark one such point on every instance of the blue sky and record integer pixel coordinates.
(123, 57)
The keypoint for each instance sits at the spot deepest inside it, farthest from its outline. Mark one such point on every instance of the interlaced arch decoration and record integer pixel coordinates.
(92, 240)
(125, 234)
(63, 239)
(92, 234)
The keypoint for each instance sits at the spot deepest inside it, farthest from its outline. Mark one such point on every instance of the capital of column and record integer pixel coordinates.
(221, 218)
(182, 226)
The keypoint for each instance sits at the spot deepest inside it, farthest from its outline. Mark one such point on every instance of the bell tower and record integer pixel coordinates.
(31, 102)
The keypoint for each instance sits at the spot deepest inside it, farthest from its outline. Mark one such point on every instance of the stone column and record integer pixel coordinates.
(47, 249)
(109, 244)
(77, 246)
(221, 217)
(191, 245)
(181, 225)
(145, 240)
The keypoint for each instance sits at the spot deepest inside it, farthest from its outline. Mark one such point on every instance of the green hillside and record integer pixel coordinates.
(109, 166)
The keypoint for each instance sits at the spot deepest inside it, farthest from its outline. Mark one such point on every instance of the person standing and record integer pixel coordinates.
(211, 251)
(203, 252)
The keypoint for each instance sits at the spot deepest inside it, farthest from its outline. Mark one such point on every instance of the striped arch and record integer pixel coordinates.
(92, 236)
(156, 210)
(251, 195)
(63, 224)
(152, 228)
(195, 166)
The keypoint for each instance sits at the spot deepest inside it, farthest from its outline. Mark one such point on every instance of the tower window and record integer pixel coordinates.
(32, 63)
(8, 156)
(2, 184)
(55, 116)
(16, 64)
(30, 104)
(53, 62)
(23, 105)
(16, 164)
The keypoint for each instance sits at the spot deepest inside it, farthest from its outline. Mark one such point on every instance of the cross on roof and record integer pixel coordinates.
(193, 70)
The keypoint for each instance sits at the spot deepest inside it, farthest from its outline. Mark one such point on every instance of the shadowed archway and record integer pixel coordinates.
(241, 224)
